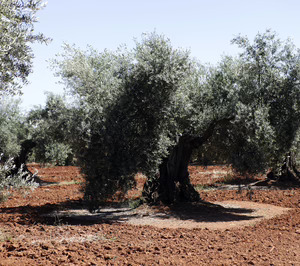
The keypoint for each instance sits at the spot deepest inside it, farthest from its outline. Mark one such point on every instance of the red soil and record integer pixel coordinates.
(28, 238)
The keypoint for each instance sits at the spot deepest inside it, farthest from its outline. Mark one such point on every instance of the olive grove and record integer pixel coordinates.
(146, 110)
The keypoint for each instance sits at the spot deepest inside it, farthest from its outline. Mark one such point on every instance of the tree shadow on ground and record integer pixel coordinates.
(253, 183)
(210, 212)
(75, 212)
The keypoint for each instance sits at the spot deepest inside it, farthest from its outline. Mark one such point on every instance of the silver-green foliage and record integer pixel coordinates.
(13, 130)
(267, 113)
(57, 153)
(125, 100)
(19, 180)
(269, 81)
(50, 131)
(12, 127)
(17, 20)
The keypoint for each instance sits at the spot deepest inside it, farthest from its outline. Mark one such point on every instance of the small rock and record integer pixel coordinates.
(139, 249)
(45, 247)
(108, 256)
(11, 247)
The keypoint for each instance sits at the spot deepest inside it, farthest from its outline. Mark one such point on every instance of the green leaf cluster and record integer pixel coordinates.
(51, 132)
(12, 127)
(17, 20)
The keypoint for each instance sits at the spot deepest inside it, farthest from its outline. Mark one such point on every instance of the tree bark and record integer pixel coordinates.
(289, 171)
(172, 184)
(21, 159)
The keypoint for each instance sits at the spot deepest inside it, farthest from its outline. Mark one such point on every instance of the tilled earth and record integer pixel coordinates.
(49, 226)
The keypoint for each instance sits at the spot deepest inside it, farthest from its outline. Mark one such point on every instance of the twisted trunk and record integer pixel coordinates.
(21, 159)
(289, 171)
(174, 180)
(172, 184)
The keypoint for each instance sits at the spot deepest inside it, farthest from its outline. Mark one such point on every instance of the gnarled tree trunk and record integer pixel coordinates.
(289, 171)
(172, 184)
(21, 159)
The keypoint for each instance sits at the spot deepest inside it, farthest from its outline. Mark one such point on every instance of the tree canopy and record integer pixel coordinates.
(50, 131)
(17, 20)
(12, 128)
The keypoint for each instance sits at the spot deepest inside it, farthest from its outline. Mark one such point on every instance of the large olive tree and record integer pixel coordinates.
(147, 109)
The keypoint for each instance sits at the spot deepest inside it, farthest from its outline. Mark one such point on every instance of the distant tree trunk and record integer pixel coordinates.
(173, 181)
(289, 171)
(21, 159)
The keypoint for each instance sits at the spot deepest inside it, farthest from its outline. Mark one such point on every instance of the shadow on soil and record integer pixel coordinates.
(210, 212)
(75, 213)
(253, 183)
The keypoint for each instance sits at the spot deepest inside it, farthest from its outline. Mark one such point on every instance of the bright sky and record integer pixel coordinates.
(206, 27)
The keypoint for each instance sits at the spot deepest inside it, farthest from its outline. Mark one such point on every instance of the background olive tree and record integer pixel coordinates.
(14, 134)
(12, 129)
(50, 132)
(17, 20)
(264, 131)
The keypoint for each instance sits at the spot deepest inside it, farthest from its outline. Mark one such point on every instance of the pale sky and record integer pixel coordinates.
(206, 27)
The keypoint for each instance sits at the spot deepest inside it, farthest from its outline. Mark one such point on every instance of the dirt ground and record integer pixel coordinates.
(233, 225)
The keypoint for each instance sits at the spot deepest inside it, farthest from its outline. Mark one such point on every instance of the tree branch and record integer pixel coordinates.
(199, 140)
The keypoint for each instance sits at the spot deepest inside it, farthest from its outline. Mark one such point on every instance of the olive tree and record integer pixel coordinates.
(14, 147)
(270, 86)
(17, 20)
(263, 134)
(15, 139)
(140, 114)
(50, 131)
(147, 109)
(11, 130)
